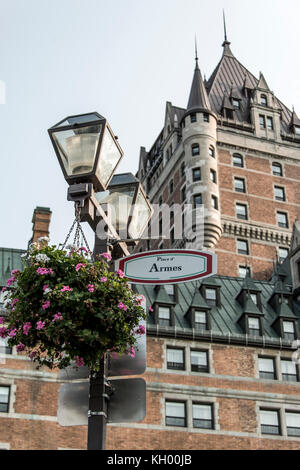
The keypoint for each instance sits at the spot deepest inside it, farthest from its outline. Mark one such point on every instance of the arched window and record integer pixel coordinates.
(237, 160)
(195, 150)
(277, 169)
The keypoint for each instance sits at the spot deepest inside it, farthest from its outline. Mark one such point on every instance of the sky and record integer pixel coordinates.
(124, 59)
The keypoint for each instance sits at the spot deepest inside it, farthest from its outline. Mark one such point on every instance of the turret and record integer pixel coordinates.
(199, 136)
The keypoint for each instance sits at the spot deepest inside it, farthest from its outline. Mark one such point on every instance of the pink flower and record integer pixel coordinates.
(45, 287)
(57, 316)
(13, 332)
(10, 281)
(132, 352)
(14, 301)
(26, 328)
(122, 306)
(44, 271)
(107, 256)
(91, 287)
(120, 273)
(3, 332)
(141, 330)
(40, 325)
(1, 320)
(79, 361)
(80, 265)
(151, 309)
(46, 305)
(66, 289)
(103, 279)
(32, 355)
(20, 347)
(3, 289)
(140, 299)
(14, 271)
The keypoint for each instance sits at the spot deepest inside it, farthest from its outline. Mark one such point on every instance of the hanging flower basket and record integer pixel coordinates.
(64, 307)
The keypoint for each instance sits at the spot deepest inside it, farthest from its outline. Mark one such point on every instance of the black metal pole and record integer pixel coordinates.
(97, 408)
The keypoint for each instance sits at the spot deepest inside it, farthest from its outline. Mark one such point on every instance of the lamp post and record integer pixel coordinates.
(88, 154)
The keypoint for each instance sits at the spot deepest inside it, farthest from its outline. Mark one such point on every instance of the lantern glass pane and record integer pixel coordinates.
(120, 203)
(109, 158)
(140, 217)
(77, 148)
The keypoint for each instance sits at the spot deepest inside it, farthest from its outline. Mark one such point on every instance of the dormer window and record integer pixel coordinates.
(164, 316)
(262, 121)
(270, 123)
(282, 254)
(170, 289)
(235, 103)
(200, 320)
(289, 330)
(211, 296)
(254, 326)
(228, 113)
(263, 100)
(297, 130)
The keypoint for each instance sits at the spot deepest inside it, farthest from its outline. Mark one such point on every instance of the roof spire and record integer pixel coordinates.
(226, 43)
(196, 52)
(198, 98)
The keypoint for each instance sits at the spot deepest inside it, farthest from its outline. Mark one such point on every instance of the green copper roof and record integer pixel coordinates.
(224, 319)
(9, 259)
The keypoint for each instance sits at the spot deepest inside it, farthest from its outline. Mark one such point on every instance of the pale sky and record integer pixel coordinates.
(124, 59)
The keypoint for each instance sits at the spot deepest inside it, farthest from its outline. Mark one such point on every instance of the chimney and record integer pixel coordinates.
(41, 221)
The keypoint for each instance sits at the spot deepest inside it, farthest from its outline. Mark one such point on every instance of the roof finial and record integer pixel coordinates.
(196, 52)
(224, 21)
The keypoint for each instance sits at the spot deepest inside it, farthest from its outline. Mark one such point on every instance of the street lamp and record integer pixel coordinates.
(132, 209)
(87, 149)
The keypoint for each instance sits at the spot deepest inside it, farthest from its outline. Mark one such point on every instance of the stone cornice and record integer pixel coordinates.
(255, 232)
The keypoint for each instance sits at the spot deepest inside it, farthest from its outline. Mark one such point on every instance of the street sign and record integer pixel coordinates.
(168, 266)
(126, 403)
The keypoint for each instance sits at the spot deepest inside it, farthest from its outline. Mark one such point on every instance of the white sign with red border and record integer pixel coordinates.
(168, 266)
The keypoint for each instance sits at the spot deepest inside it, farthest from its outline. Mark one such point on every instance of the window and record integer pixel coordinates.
(242, 246)
(289, 371)
(239, 185)
(193, 117)
(297, 130)
(238, 161)
(171, 186)
(211, 151)
(269, 421)
(270, 124)
(279, 193)
(4, 399)
(292, 423)
(263, 100)
(213, 176)
(175, 359)
(195, 150)
(197, 200)
(266, 368)
(202, 416)
(172, 235)
(4, 348)
(253, 326)
(205, 117)
(282, 220)
(236, 103)
(277, 169)
(211, 296)
(199, 361)
(262, 122)
(175, 414)
(160, 200)
(228, 114)
(254, 298)
(200, 320)
(182, 169)
(164, 316)
(183, 194)
(241, 211)
(282, 253)
(288, 330)
(170, 289)
(214, 202)
(243, 271)
(196, 174)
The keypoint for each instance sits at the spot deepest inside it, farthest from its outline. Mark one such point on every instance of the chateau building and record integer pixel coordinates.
(222, 354)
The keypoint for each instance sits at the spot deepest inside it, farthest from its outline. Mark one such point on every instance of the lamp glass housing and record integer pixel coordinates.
(87, 149)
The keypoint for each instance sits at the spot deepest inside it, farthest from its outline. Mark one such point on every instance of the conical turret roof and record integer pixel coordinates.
(198, 98)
